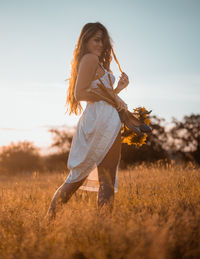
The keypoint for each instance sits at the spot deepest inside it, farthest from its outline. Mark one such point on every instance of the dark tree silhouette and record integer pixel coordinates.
(152, 151)
(61, 140)
(186, 137)
(158, 139)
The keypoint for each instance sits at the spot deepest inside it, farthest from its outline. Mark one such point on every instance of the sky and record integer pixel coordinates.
(156, 42)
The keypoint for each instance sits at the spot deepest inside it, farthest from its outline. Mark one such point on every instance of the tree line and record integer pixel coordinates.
(179, 143)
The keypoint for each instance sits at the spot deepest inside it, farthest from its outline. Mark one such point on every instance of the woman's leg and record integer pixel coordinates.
(62, 195)
(107, 173)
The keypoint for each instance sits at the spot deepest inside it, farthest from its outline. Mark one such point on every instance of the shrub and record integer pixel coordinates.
(20, 157)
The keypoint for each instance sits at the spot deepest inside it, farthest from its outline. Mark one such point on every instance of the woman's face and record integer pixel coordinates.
(95, 44)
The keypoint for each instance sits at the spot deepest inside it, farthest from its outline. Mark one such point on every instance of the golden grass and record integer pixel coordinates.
(156, 215)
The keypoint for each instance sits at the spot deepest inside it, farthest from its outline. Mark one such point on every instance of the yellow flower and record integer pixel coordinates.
(147, 121)
(131, 138)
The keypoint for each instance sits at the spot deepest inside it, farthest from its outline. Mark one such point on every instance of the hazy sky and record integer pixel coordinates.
(156, 42)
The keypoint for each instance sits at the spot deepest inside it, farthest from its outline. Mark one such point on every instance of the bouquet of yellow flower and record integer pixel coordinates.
(136, 138)
(136, 124)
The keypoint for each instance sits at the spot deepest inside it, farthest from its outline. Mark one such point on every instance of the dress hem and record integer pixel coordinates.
(91, 168)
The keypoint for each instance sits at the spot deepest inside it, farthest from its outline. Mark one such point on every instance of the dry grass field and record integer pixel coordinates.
(156, 216)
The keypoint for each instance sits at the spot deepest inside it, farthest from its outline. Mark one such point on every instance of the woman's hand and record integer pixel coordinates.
(123, 82)
(121, 105)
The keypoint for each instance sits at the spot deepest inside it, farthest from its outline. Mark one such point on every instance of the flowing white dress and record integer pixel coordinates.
(96, 131)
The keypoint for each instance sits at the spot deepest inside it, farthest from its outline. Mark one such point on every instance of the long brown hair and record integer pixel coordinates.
(88, 30)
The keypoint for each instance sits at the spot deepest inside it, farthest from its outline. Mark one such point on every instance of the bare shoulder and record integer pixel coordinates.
(89, 59)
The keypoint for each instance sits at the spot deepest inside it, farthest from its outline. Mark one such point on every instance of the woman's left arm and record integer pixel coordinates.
(121, 104)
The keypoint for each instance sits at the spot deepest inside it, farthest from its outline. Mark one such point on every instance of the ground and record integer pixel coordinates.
(156, 215)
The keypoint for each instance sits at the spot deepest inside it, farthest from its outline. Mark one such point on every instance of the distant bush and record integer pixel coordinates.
(20, 157)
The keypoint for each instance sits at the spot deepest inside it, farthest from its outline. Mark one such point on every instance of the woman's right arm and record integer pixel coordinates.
(86, 74)
(87, 67)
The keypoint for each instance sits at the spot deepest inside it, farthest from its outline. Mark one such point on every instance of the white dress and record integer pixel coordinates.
(96, 131)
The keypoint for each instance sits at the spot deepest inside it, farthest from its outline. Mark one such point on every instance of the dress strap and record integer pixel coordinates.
(101, 65)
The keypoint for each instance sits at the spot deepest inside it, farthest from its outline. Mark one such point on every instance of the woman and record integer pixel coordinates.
(97, 140)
